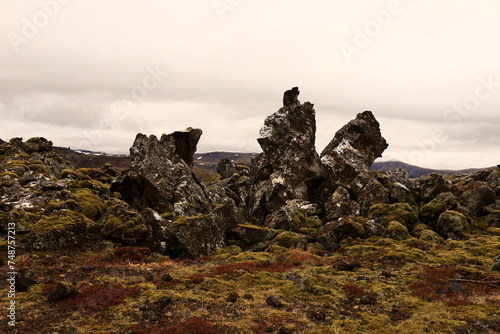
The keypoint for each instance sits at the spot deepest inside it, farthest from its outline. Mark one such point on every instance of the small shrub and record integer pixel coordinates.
(97, 298)
(131, 253)
(440, 284)
(434, 283)
(354, 291)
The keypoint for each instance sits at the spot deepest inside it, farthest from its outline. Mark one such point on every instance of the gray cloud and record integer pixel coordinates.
(80, 78)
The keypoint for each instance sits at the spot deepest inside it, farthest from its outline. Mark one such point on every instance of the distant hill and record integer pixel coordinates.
(211, 159)
(415, 171)
(205, 162)
(88, 159)
(2, 142)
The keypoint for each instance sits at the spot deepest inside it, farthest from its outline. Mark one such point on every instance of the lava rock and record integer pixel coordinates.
(60, 293)
(274, 302)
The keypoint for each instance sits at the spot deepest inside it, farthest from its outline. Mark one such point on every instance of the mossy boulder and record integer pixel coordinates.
(195, 236)
(430, 236)
(290, 239)
(70, 173)
(430, 186)
(430, 212)
(333, 233)
(64, 229)
(91, 204)
(401, 212)
(452, 224)
(123, 224)
(397, 231)
(294, 216)
(475, 200)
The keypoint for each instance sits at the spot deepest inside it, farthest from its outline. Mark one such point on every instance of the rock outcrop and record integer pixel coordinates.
(290, 168)
(289, 197)
(160, 176)
(161, 179)
(348, 158)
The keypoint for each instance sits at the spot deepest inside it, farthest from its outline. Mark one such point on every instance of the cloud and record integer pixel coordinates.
(226, 74)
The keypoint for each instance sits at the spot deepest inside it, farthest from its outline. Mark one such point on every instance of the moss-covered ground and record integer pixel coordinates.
(377, 285)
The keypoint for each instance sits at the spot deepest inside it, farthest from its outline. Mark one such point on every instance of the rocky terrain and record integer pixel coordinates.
(299, 242)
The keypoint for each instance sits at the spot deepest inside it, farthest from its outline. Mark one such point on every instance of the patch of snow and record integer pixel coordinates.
(401, 186)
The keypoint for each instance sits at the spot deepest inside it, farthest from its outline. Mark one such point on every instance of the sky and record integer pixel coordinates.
(92, 74)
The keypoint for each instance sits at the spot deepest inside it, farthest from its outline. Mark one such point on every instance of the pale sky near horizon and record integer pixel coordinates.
(91, 74)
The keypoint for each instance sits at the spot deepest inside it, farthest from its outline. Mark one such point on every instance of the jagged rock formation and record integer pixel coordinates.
(348, 157)
(289, 169)
(160, 178)
(290, 197)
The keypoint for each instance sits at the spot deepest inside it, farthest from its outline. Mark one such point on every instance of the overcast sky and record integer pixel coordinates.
(91, 74)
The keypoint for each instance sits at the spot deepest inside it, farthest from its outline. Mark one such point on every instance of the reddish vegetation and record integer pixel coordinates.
(97, 298)
(131, 253)
(352, 290)
(252, 267)
(442, 284)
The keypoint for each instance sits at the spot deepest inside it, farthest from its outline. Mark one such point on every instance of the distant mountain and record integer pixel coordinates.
(208, 161)
(1, 142)
(90, 159)
(415, 171)
(211, 159)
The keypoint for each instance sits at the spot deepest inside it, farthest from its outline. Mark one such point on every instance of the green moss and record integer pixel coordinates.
(61, 221)
(307, 230)
(37, 168)
(127, 228)
(401, 212)
(167, 215)
(430, 236)
(95, 185)
(290, 239)
(92, 206)
(231, 250)
(418, 228)
(313, 223)
(452, 224)
(397, 231)
(493, 231)
(73, 173)
(71, 204)
(429, 213)
(183, 220)
(10, 174)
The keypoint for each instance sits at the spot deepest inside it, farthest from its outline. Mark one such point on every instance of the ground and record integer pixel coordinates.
(376, 285)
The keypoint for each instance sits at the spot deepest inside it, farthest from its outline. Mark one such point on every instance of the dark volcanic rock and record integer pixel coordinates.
(61, 292)
(289, 168)
(160, 175)
(274, 301)
(348, 158)
(226, 168)
(359, 142)
(160, 179)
